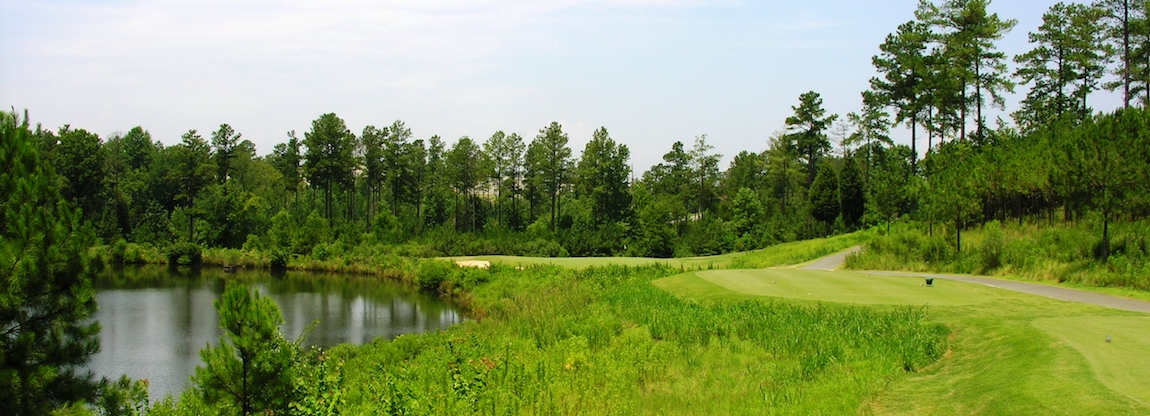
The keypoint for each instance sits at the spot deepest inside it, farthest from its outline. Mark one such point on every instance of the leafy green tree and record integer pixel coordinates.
(747, 170)
(193, 171)
(807, 129)
(46, 295)
(673, 176)
(549, 166)
(746, 213)
(250, 370)
(80, 158)
(824, 195)
(225, 142)
(329, 161)
(603, 177)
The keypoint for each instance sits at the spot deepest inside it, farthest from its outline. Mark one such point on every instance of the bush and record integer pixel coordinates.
(117, 252)
(432, 273)
(185, 253)
(279, 259)
(993, 242)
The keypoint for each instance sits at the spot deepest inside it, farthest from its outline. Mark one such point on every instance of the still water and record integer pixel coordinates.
(155, 320)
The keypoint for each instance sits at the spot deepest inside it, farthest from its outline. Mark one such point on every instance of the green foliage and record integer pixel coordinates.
(184, 254)
(824, 195)
(807, 127)
(124, 397)
(990, 252)
(607, 340)
(279, 259)
(250, 369)
(431, 274)
(46, 295)
(851, 193)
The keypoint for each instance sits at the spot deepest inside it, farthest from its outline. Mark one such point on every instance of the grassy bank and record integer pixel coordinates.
(1060, 253)
(608, 341)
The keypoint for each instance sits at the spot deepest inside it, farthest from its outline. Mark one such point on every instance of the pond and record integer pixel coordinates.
(155, 320)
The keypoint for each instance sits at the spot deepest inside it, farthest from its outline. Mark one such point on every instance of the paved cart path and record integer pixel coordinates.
(835, 262)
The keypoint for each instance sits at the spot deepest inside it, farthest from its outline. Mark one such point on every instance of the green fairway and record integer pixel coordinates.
(846, 287)
(1121, 364)
(1009, 352)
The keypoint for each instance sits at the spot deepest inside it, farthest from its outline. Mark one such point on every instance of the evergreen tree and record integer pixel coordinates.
(193, 171)
(824, 195)
(853, 195)
(903, 63)
(603, 177)
(550, 165)
(250, 369)
(329, 160)
(225, 142)
(1065, 66)
(807, 129)
(46, 295)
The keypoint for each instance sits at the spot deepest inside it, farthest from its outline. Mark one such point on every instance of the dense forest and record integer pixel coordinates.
(938, 74)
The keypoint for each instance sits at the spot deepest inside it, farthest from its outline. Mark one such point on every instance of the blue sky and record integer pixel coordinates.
(651, 71)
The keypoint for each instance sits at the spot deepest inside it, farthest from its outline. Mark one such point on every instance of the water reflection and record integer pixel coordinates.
(155, 320)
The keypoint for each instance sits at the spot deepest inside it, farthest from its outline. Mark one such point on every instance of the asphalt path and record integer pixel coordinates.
(835, 262)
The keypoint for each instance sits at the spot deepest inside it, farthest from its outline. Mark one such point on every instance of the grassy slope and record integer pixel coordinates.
(1010, 353)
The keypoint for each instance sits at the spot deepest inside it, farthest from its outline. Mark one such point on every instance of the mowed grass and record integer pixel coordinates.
(1009, 353)
(1120, 364)
(847, 287)
(778, 255)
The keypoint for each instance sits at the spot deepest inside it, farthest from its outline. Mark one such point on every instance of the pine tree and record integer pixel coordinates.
(46, 295)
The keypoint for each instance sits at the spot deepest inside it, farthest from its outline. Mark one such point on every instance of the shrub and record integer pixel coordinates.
(993, 241)
(185, 253)
(118, 249)
(432, 273)
(279, 259)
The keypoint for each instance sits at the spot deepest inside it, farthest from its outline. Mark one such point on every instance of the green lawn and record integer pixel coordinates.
(1009, 353)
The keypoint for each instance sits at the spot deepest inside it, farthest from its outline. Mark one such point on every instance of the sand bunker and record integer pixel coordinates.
(481, 264)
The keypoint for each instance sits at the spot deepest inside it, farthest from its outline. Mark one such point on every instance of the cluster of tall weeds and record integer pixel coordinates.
(607, 341)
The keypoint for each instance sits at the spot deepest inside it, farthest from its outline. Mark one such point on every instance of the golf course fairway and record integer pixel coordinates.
(1008, 352)
(847, 287)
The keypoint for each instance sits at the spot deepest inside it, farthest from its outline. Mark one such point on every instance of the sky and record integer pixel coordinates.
(652, 72)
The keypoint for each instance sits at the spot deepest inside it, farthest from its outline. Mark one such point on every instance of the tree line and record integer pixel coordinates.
(507, 194)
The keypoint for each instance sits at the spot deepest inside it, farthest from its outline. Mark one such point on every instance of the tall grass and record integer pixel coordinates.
(1067, 252)
(607, 341)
